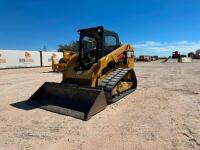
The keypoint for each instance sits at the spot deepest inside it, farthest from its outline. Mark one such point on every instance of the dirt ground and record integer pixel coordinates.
(163, 113)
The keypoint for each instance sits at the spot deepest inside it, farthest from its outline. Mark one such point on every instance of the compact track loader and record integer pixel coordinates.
(102, 72)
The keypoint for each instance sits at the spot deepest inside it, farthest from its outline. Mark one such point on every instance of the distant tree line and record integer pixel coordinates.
(73, 46)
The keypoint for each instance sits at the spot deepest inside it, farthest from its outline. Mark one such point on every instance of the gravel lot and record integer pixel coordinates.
(164, 113)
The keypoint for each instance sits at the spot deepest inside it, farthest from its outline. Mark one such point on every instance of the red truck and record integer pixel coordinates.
(176, 54)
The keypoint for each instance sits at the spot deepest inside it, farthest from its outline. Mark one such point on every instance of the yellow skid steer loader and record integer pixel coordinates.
(102, 72)
(60, 66)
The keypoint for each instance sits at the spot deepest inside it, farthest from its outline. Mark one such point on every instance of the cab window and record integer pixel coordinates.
(110, 41)
(89, 43)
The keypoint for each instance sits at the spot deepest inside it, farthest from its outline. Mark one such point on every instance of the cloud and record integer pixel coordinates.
(165, 48)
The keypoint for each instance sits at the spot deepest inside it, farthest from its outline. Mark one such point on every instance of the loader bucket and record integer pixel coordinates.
(78, 102)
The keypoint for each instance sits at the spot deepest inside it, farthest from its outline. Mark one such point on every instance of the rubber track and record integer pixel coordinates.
(111, 81)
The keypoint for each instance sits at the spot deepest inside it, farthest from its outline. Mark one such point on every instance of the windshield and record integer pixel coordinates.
(89, 43)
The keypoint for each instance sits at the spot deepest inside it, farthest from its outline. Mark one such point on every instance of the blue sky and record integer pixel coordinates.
(154, 27)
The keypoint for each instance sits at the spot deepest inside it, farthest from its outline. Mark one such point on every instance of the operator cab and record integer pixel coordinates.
(94, 43)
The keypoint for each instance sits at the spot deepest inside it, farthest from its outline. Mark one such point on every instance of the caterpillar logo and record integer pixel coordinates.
(2, 60)
(27, 58)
